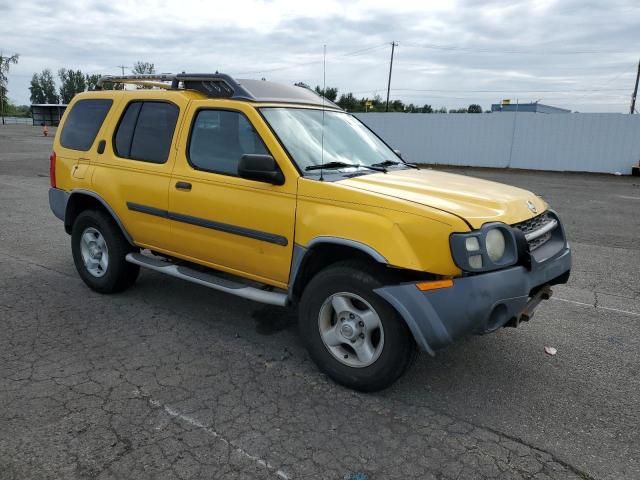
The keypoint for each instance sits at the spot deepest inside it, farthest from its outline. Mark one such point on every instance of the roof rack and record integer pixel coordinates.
(220, 85)
(217, 85)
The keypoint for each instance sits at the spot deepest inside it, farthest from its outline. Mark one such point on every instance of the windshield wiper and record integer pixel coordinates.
(386, 163)
(336, 165)
(389, 163)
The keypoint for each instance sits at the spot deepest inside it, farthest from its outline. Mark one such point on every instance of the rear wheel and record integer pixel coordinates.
(99, 250)
(351, 333)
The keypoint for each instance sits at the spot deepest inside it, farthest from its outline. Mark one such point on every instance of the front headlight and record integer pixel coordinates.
(495, 244)
(492, 247)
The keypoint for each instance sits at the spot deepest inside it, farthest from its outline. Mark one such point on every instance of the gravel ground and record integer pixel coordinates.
(173, 380)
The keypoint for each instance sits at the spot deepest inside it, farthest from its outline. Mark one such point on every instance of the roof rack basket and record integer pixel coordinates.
(214, 85)
(220, 85)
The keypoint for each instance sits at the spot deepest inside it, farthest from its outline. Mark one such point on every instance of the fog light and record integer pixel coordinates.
(472, 244)
(475, 261)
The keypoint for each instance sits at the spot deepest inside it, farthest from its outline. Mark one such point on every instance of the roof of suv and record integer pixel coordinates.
(219, 85)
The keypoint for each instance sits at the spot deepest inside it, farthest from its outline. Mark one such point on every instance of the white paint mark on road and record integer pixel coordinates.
(198, 424)
(628, 197)
(599, 307)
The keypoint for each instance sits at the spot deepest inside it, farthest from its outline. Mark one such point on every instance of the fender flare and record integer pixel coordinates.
(300, 253)
(102, 201)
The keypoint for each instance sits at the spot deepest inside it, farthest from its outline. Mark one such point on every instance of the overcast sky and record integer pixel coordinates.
(577, 54)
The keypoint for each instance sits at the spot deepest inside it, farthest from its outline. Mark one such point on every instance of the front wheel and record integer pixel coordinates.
(351, 333)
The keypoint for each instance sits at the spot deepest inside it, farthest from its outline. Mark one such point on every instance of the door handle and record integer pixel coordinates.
(183, 186)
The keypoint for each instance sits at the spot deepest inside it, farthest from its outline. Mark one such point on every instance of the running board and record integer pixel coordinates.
(208, 280)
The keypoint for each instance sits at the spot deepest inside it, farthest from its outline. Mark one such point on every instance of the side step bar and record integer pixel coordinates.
(208, 280)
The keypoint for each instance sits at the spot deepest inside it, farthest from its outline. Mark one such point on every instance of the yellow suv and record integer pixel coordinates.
(272, 193)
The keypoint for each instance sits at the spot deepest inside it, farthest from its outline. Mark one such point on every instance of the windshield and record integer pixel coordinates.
(346, 140)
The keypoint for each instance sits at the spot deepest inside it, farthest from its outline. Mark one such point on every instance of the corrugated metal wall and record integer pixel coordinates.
(583, 142)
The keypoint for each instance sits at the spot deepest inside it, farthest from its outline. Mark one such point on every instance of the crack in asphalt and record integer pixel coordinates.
(596, 306)
(198, 424)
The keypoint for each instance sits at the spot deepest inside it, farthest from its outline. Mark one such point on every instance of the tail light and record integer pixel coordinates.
(52, 169)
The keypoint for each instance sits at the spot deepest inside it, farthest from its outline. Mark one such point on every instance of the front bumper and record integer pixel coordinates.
(475, 304)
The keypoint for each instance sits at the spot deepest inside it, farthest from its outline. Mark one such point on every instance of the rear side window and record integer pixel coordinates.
(83, 123)
(145, 131)
(219, 139)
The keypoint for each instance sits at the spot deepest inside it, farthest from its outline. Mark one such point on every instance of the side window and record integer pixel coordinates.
(83, 123)
(219, 139)
(145, 131)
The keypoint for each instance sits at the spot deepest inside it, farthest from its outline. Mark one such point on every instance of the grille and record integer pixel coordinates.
(533, 224)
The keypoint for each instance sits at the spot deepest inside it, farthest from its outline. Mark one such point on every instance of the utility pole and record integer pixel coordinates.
(635, 91)
(122, 67)
(393, 46)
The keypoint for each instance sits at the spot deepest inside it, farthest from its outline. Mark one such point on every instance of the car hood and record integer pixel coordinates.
(474, 200)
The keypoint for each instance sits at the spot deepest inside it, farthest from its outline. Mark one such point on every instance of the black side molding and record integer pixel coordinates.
(203, 222)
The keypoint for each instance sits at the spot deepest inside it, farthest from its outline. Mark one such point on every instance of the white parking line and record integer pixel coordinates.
(196, 423)
(626, 312)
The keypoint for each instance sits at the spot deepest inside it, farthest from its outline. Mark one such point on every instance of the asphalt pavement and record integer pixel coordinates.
(173, 380)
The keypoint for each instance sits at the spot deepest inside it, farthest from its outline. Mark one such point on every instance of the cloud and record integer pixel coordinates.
(575, 54)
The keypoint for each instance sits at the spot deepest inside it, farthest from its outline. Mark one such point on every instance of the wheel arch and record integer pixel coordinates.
(80, 200)
(321, 252)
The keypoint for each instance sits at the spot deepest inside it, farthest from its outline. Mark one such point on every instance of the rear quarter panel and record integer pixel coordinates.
(67, 159)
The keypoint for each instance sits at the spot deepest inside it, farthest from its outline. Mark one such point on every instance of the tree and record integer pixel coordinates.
(72, 82)
(92, 80)
(396, 106)
(348, 102)
(426, 109)
(458, 110)
(37, 95)
(474, 108)
(5, 64)
(143, 68)
(43, 88)
(330, 93)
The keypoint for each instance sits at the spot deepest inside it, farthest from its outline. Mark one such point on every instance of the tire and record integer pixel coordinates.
(106, 271)
(340, 301)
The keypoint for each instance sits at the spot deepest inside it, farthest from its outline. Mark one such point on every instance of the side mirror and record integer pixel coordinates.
(398, 152)
(262, 168)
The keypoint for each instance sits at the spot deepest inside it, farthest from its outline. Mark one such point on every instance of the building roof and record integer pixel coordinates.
(534, 107)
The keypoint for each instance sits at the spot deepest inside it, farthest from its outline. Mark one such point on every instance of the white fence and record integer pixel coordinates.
(582, 142)
(17, 121)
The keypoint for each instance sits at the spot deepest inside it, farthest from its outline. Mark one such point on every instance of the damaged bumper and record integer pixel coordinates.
(479, 303)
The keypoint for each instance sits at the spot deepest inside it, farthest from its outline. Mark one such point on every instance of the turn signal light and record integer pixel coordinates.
(434, 285)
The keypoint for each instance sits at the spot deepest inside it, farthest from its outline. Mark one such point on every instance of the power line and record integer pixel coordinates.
(289, 66)
(608, 82)
(516, 52)
(364, 50)
(508, 91)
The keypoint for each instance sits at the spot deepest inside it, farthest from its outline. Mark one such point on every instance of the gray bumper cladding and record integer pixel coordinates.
(475, 304)
(58, 202)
